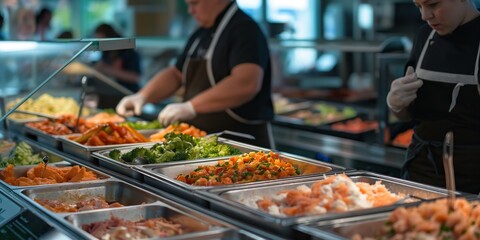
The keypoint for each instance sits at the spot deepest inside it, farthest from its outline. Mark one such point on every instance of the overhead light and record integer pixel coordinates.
(12, 46)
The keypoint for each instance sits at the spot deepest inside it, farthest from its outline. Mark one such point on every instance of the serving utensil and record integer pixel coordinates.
(45, 161)
(43, 115)
(236, 134)
(47, 116)
(82, 100)
(449, 171)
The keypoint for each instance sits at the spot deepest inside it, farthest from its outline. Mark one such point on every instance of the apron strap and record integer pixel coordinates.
(187, 59)
(459, 79)
(208, 56)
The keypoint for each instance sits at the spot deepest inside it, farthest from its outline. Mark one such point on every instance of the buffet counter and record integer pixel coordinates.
(242, 210)
(342, 151)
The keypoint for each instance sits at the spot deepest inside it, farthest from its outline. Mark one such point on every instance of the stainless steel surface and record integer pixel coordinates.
(21, 171)
(85, 152)
(127, 169)
(340, 148)
(45, 138)
(194, 227)
(448, 166)
(169, 171)
(162, 176)
(229, 199)
(18, 125)
(345, 228)
(110, 190)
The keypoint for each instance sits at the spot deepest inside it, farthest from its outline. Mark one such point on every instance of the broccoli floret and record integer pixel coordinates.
(134, 154)
(179, 142)
(115, 154)
(226, 150)
(179, 156)
(167, 156)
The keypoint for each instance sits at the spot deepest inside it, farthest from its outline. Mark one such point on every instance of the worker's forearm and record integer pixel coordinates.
(162, 85)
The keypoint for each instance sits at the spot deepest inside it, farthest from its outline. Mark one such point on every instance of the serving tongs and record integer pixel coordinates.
(82, 100)
(45, 163)
(43, 115)
(449, 172)
(47, 116)
(232, 133)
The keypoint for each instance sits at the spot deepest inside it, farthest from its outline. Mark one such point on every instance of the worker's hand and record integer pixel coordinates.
(403, 90)
(131, 105)
(176, 112)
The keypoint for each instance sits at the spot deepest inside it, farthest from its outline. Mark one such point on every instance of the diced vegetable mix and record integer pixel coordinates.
(248, 167)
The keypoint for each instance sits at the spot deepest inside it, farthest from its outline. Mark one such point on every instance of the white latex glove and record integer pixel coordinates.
(176, 112)
(403, 90)
(131, 105)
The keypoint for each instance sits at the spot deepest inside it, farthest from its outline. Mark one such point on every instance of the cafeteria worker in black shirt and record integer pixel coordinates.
(440, 93)
(225, 68)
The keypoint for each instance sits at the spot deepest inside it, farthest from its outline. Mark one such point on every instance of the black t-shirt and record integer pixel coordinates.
(242, 41)
(452, 53)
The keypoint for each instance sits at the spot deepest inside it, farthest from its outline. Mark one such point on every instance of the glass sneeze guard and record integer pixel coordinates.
(27, 68)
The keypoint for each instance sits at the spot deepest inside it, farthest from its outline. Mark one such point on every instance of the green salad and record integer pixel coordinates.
(175, 148)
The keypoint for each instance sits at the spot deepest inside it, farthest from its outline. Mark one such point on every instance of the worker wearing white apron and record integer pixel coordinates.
(232, 50)
(442, 94)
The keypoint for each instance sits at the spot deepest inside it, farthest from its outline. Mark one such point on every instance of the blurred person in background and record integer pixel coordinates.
(23, 24)
(225, 69)
(121, 65)
(42, 21)
(66, 34)
(1, 27)
(440, 92)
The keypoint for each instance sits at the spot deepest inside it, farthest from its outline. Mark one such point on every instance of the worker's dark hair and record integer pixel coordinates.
(107, 30)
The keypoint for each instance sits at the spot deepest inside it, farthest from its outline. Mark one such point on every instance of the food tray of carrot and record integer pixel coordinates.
(49, 131)
(279, 205)
(103, 137)
(428, 220)
(17, 177)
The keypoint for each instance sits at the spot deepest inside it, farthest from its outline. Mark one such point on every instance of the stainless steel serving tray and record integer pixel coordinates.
(228, 199)
(85, 152)
(20, 171)
(345, 228)
(368, 226)
(195, 228)
(18, 125)
(163, 176)
(45, 138)
(52, 157)
(110, 190)
(127, 169)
